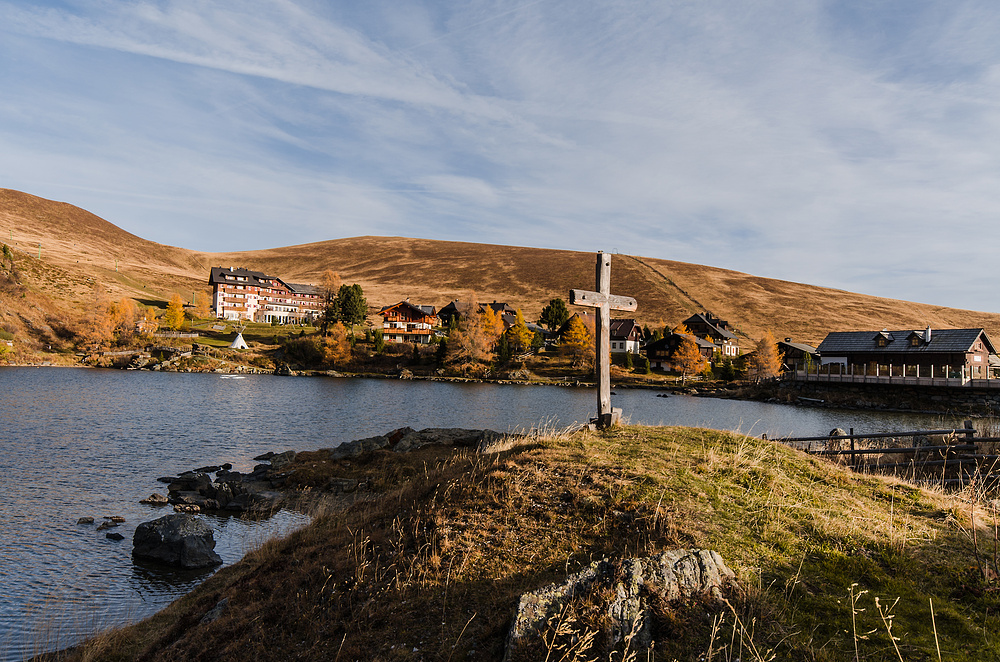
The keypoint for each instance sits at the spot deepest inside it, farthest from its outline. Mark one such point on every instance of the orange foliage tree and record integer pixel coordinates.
(336, 346)
(519, 335)
(766, 360)
(473, 341)
(687, 358)
(174, 317)
(578, 342)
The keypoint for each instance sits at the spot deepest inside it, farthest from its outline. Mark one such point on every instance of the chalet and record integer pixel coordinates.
(927, 355)
(407, 322)
(660, 352)
(709, 327)
(453, 311)
(458, 309)
(797, 355)
(242, 294)
(626, 336)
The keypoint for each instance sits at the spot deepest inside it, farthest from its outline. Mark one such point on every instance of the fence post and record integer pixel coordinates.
(853, 456)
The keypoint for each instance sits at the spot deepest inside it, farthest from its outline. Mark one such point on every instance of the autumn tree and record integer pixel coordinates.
(331, 312)
(98, 330)
(519, 335)
(578, 342)
(174, 317)
(554, 315)
(202, 304)
(765, 363)
(687, 358)
(475, 338)
(121, 316)
(336, 346)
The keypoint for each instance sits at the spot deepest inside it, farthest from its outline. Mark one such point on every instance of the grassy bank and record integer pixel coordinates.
(429, 561)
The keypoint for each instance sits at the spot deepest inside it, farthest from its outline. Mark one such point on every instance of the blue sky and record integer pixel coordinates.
(845, 144)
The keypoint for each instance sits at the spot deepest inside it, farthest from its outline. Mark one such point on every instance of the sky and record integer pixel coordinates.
(853, 145)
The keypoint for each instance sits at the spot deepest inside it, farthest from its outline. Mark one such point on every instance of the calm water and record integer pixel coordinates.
(81, 442)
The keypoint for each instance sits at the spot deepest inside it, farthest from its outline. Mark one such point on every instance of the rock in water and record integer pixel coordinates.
(179, 540)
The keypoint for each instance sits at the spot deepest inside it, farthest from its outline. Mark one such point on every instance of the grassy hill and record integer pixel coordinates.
(80, 251)
(429, 563)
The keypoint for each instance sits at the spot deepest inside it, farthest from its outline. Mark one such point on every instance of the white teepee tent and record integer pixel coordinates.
(238, 342)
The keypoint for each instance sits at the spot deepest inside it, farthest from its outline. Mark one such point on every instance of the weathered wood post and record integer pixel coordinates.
(604, 302)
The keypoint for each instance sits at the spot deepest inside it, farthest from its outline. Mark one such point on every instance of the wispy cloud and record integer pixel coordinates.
(838, 143)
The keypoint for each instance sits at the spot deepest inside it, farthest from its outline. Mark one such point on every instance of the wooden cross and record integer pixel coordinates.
(605, 302)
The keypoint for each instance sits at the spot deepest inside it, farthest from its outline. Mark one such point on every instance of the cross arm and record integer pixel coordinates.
(596, 300)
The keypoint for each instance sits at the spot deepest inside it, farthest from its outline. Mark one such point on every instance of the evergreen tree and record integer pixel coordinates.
(331, 312)
(351, 305)
(629, 364)
(379, 341)
(442, 352)
(555, 314)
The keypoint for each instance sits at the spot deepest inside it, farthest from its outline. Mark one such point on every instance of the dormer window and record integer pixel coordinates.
(914, 341)
(883, 338)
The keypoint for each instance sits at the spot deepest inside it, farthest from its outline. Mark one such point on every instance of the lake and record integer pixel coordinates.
(82, 442)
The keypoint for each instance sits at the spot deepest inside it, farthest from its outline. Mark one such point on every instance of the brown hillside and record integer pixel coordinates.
(78, 246)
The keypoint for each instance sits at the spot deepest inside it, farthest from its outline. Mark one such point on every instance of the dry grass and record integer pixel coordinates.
(434, 555)
(81, 246)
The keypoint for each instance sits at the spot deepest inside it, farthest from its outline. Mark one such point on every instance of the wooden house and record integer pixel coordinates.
(796, 355)
(660, 352)
(709, 327)
(957, 354)
(407, 322)
(626, 336)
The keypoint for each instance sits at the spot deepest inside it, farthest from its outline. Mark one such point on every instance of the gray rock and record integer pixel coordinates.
(179, 540)
(114, 535)
(155, 499)
(673, 575)
(85, 520)
(282, 460)
(215, 612)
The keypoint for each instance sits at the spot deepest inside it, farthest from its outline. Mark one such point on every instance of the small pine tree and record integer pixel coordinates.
(646, 369)
(442, 352)
(379, 341)
(629, 364)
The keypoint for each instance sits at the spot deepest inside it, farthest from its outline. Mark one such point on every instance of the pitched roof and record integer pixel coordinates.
(711, 321)
(623, 329)
(232, 274)
(801, 346)
(942, 341)
(301, 288)
(428, 311)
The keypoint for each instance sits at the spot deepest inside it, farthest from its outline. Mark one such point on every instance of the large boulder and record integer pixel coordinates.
(627, 592)
(179, 540)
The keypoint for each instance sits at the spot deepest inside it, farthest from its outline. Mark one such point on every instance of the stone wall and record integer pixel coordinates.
(931, 399)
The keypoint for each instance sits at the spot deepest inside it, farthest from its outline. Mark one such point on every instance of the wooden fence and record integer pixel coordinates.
(958, 462)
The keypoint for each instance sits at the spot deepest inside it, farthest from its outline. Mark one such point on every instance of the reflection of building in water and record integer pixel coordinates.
(242, 294)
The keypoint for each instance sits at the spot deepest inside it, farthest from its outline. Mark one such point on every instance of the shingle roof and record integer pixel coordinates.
(256, 278)
(701, 318)
(622, 329)
(801, 346)
(942, 341)
(302, 288)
